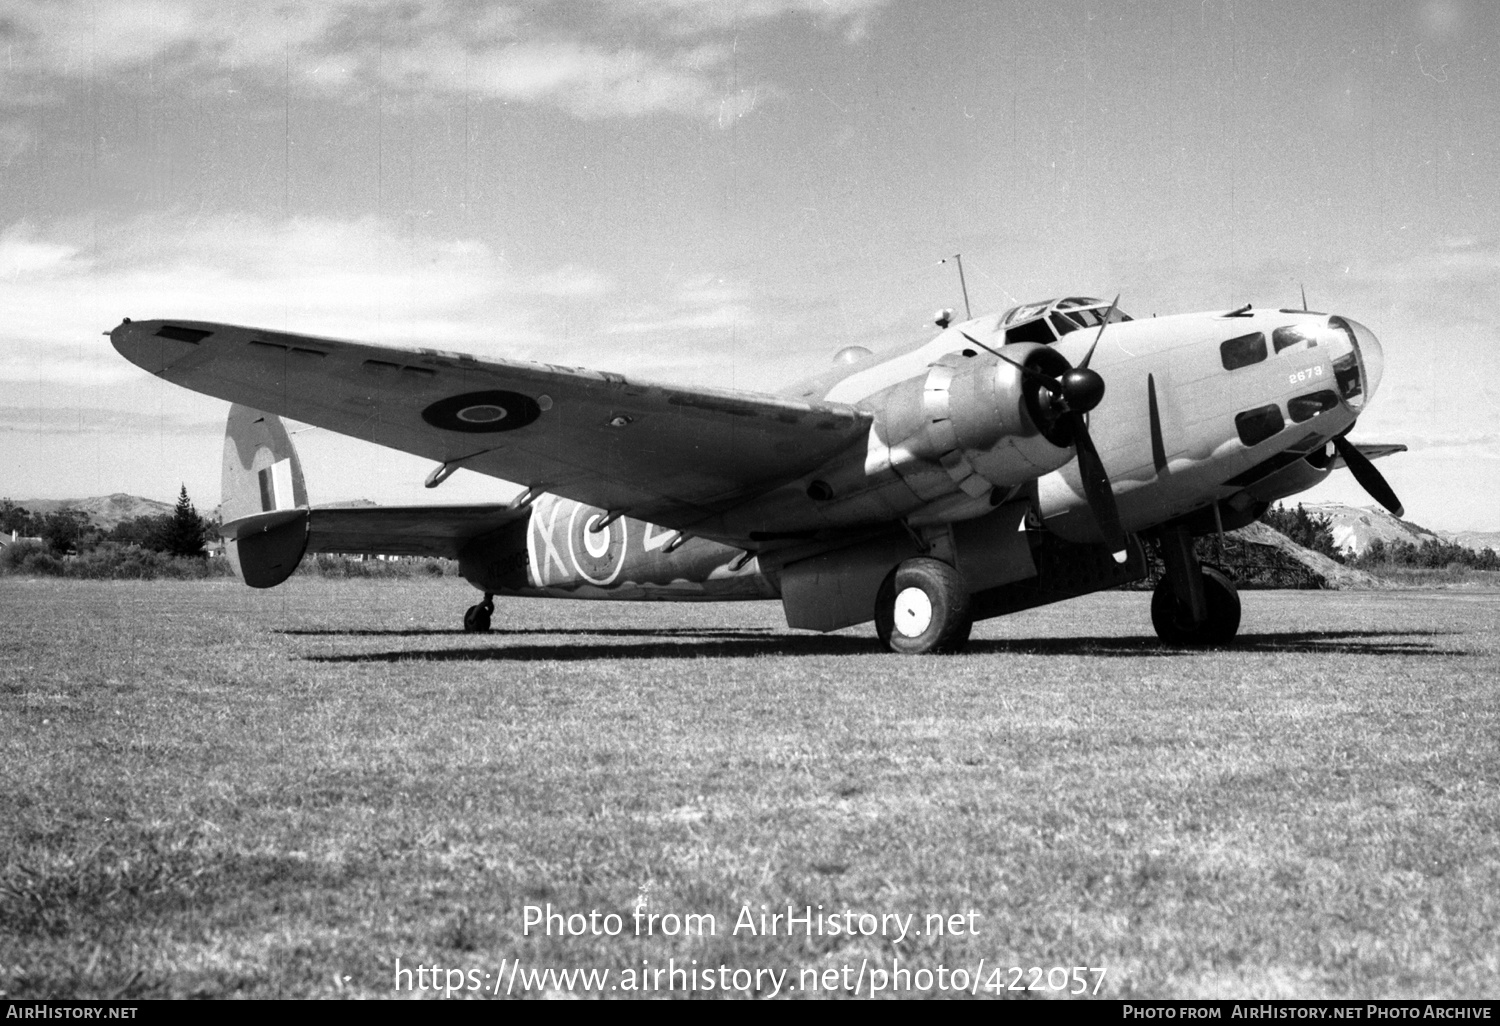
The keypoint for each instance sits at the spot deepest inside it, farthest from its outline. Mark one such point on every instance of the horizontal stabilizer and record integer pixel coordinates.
(1371, 451)
(270, 545)
(269, 525)
(440, 531)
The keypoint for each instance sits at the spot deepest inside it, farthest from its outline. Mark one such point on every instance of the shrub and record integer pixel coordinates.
(40, 562)
(110, 561)
(15, 554)
(327, 564)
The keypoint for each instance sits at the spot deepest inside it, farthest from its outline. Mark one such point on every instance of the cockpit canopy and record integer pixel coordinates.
(1049, 321)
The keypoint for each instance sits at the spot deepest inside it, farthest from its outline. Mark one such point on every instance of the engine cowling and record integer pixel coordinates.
(975, 424)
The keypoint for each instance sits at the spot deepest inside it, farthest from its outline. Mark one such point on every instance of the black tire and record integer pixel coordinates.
(922, 607)
(1174, 624)
(477, 620)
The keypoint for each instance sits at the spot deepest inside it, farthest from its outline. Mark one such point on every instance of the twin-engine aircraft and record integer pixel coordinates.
(1006, 462)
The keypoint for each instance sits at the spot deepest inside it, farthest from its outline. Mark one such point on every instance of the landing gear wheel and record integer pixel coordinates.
(477, 618)
(1174, 623)
(922, 607)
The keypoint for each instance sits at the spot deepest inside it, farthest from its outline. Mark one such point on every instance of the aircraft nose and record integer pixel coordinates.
(1371, 355)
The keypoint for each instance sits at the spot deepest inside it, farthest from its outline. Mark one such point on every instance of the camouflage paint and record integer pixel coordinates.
(629, 559)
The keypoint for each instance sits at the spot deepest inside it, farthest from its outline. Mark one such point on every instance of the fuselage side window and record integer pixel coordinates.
(1256, 425)
(1243, 351)
(1306, 407)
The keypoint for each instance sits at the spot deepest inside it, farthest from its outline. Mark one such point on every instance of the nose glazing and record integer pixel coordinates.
(1371, 355)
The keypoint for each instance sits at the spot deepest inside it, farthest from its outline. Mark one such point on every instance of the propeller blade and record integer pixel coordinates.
(1084, 363)
(1088, 388)
(1370, 479)
(1096, 489)
(1051, 385)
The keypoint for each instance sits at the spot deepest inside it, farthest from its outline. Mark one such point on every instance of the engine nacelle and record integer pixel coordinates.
(973, 424)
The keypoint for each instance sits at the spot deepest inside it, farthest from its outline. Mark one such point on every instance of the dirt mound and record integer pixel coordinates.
(1282, 550)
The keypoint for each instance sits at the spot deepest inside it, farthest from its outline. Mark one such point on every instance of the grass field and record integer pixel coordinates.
(212, 791)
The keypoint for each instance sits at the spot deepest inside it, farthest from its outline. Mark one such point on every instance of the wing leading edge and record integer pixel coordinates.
(662, 453)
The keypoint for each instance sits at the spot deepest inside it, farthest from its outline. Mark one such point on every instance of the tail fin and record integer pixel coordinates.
(265, 509)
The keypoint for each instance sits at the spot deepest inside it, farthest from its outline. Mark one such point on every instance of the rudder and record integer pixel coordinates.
(264, 498)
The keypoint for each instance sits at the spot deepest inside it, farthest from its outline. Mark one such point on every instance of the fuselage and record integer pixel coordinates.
(1206, 411)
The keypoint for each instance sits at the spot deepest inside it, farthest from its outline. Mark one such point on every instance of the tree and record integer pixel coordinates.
(1306, 529)
(18, 519)
(68, 530)
(149, 532)
(184, 533)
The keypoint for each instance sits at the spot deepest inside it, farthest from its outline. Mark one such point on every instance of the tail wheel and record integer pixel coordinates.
(922, 607)
(477, 618)
(1174, 622)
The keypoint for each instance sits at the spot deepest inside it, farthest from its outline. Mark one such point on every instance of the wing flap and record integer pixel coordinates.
(663, 453)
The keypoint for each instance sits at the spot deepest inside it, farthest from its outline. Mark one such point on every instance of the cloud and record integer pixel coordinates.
(15, 139)
(92, 420)
(368, 280)
(694, 17)
(695, 307)
(586, 80)
(566, 55)
(359, 279)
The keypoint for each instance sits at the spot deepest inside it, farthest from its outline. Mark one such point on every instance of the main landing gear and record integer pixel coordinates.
(477, 618)
(923, 606)
(1194, 606)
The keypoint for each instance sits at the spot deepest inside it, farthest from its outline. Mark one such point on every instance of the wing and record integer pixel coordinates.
(661, 453)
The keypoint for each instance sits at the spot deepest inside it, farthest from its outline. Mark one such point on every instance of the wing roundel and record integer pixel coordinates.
(483, 412)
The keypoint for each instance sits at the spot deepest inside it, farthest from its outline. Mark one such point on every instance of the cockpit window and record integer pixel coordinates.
(1062, 324)
(1031, 311)
(1029, 323)
(1292, 335)
(1030, 331)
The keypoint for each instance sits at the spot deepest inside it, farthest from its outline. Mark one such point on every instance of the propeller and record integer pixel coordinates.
(1370, 479)
(1074, 393)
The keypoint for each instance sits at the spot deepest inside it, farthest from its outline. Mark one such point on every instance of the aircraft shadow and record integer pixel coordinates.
(1350, 642)
(734, 645)
(619, 632)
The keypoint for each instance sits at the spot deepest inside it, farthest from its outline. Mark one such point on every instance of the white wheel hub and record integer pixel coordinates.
(913, 612)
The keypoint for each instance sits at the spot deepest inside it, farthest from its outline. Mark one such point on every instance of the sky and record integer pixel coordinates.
(726, 193)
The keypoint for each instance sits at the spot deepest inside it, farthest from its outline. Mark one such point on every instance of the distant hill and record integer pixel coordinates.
(105, 510)
(1477, 540)
(1355, 527)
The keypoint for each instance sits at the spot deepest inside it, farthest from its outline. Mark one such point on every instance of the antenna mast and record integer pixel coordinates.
(958, 258)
